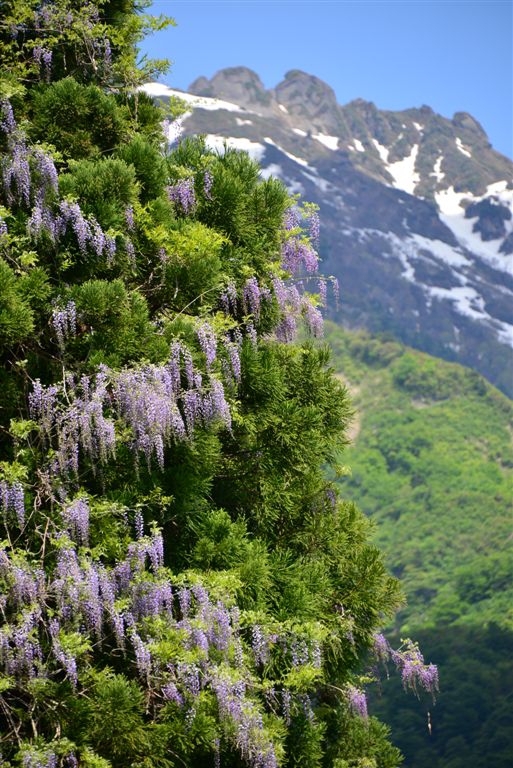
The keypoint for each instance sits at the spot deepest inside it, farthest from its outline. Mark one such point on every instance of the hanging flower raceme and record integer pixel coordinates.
(182, 194)
(64, 322)
(43, 58)
(75, 517)
(28, 173)
(12, 499)
(29, 179)
(208, 182)
(301, 226)
(357, 701)
(410, 663)
(159, 404)
(208, 342)
(80, 426)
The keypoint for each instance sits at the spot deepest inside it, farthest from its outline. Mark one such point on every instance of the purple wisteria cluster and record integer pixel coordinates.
(75, 517)
(80, 595)
(323, 290)
(357, 701)
(229, 300)
(64, 322)
(16, 178)
(128, 609)
(46, 758)
(250, 302)
(29, 179)
(96, 49)
(183, 196)
(251, 739)
(12, 500)
(301, 226)
(81, 424)
(168, 402)
(231, 364)
(68, 218)
(253, 296)
(208, 342)
(159, 404)
(43, 58)
(295, 305)
(208, 182)
(28, 173)
(297, 255)
(409, 661)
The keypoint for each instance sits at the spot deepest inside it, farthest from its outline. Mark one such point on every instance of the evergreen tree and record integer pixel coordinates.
(180, 584)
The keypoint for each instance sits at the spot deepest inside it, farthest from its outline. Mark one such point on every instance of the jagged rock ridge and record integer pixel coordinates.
(416, 208)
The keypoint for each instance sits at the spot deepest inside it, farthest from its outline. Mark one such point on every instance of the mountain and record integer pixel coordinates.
(416, 209)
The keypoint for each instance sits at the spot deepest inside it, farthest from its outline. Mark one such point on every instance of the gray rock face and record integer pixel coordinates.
(310, 100)
(416, 209)
(236, 84)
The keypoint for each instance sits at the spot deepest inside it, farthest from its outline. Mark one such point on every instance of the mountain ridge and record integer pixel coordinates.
(416, 209)
(312, 101)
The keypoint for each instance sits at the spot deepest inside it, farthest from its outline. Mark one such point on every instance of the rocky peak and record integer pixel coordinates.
(468, 123)
(310, 99)
(237, 84)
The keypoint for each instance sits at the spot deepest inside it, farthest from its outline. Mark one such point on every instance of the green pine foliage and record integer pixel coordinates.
(180, 583)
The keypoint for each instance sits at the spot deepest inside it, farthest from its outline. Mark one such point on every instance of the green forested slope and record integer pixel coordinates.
(432, 465)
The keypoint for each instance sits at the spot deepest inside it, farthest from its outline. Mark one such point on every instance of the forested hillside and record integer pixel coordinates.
(180, 583)
(432, 465)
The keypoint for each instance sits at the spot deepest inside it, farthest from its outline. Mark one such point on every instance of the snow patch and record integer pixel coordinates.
(358, 145)
(382, 151)
(452, 213)
(497, 187)
(294, 187)
(329, 141)
(437, 169)
(322, 184)
(201, 102)
(239, 121)
(465, 298)
(253, 148)
(468, 302)
(451, 256)
(449, 201)
(272, 170)
(283, 108)
(403, 172)
(418, 126)
(299, 132)
(298, 160)
(461, 148)
(505, 333)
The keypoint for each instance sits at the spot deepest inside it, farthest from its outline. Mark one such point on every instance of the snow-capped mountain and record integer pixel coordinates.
(416, 209)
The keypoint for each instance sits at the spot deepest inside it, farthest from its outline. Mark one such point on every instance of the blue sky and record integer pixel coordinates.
(453, 55)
